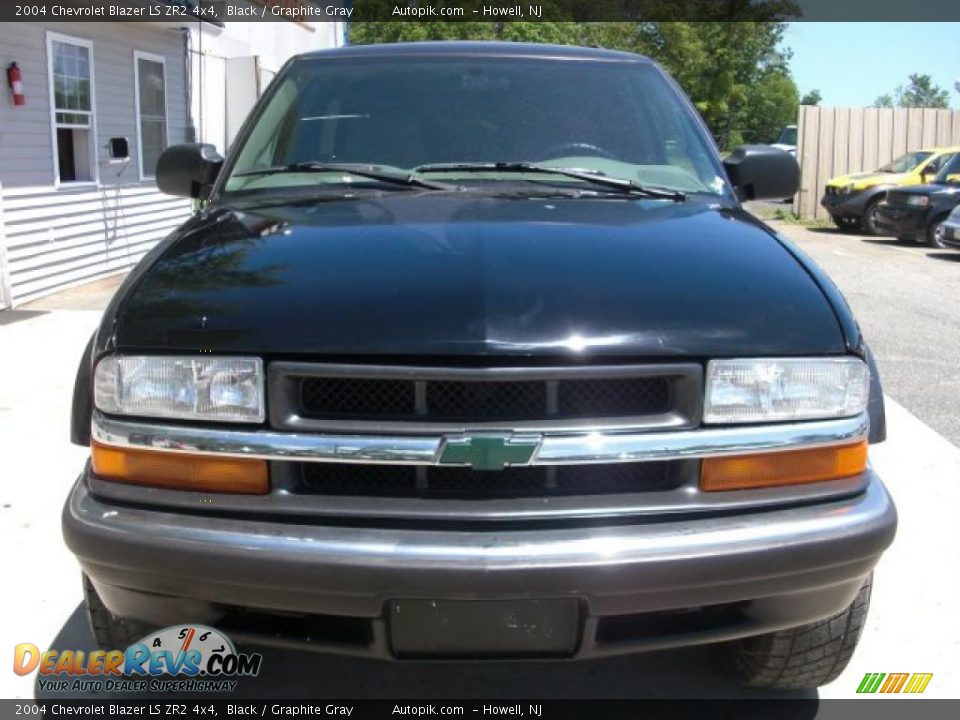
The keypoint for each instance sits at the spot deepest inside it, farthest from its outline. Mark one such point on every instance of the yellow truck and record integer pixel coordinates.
(853, 201)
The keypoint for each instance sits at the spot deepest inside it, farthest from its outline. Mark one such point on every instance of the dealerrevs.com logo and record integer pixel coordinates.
(910, 683)
(187, 658)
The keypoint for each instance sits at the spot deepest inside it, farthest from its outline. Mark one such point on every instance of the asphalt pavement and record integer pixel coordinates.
(902, 296)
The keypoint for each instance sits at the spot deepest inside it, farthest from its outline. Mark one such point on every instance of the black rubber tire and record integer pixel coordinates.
(932, 239)
(869, 220)
(802, 658)
(110, 632)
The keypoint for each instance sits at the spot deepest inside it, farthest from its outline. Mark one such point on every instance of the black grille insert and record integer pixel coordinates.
(458, 400)
(450, 482)
(613, 397)
(354, 397)
(897, 198)
(483, 401)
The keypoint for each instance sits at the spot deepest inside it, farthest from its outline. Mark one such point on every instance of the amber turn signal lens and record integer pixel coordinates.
(793, 467)
(176, 471)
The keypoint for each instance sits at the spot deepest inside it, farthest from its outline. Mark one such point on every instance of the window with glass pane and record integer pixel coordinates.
(153, 114)
(70, 74)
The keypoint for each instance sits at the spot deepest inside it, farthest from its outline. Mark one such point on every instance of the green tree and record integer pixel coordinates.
(811, 98)
(733, 71)
(884, 101)
(919, 92)
(773, 104)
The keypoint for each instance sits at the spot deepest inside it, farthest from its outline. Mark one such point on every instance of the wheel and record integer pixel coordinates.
(935, 234)
(805, 657)
(110, 632)
(870, 217)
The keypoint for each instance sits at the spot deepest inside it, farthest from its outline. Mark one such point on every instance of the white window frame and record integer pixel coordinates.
(139, 55)
(94, 160)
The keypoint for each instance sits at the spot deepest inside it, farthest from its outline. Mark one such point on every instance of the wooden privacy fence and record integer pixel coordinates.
(836, 141)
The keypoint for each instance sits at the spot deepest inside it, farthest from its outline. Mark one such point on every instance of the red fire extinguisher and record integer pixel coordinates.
(15, 80)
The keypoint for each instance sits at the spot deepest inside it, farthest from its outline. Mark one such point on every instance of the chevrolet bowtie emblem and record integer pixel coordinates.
(489, 452)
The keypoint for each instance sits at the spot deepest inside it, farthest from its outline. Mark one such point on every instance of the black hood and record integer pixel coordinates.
(437, 274)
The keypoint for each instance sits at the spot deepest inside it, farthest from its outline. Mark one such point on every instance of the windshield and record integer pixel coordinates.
(906, 163)
(950, 172)
(620, 119)
(788, 136)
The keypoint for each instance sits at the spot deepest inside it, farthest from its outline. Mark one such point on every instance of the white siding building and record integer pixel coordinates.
(77, 196)
(232, 65)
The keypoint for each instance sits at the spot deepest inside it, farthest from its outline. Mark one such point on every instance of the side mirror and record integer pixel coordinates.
(760, 172)
(188, 170)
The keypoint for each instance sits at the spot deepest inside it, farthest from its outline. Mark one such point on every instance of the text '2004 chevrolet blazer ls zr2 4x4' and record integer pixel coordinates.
(473, 353)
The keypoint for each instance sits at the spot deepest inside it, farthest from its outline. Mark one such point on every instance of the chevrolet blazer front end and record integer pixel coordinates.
(556, 409)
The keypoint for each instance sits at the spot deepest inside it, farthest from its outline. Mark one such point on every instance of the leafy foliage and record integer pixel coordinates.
(811, 98)
(919, 92)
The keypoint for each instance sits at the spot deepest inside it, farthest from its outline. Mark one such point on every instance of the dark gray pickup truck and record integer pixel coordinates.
(472, 352)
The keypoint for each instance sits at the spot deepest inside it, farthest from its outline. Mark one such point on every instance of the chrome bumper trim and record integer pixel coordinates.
(555, 449)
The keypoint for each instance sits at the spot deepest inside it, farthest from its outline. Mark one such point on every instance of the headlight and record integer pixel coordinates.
(846, 189)
(770, 390)
(918, 200)
(225, 389)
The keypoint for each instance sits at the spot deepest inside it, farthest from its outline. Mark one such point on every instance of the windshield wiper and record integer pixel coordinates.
(622, 184)
(364, 171)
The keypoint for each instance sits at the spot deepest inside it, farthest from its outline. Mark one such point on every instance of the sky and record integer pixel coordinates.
(851, 64)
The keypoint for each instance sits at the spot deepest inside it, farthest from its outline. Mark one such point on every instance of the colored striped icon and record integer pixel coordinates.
(894, 683)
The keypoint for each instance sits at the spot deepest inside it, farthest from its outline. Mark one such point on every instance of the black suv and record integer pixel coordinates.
(916, 213)
(472, 352)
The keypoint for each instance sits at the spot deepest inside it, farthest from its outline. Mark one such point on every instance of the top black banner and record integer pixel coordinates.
(631, 11)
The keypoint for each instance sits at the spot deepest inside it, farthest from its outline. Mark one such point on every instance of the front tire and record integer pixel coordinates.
(935, 234)
(805, 657)
(110, 632)
(871, 217)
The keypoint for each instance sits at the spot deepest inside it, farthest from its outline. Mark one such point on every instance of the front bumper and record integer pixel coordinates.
(846, 204)
(904, 221)
(640, 585)
(951, 234)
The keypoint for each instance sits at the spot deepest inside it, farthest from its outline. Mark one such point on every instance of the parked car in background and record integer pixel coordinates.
(950, 229)
(787, 140)
(853, 201)
(916, 213)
